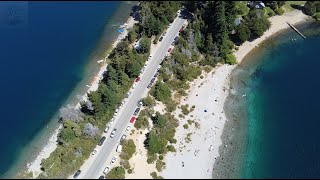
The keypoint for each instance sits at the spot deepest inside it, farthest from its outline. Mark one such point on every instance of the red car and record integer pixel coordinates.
(181, 29)
(169, 50)
(138, 79)
(132, 119)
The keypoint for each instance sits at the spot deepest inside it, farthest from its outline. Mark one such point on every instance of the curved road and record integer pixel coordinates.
(93, 167)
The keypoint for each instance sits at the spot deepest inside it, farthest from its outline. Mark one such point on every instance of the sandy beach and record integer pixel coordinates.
(35, 166)
(197, 148)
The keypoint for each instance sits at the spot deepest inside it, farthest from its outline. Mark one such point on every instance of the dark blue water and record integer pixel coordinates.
(43, 51)
(283, 110)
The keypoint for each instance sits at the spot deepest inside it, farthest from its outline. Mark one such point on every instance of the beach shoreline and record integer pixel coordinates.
(194, 159)
(34, 165)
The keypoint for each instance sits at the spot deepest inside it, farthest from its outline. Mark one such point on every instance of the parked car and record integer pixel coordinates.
(122, 103)
(77, 174)
(123, 137)
(156, 74)
(139, 103)
(181, 29)
(137, 79)
(132, 119)
(142, 69)
(106, 170)
(176, 38)
(113, 132)
(128, 128)
(169, 50)
(152, 80)
(102, 140)
(161, 38)
(101, 177)
(94, 152)
(128, 94)
(159, 67)
(113, 160)
(112, 121)
(107, 129)
(149, 85)
(119, 148)
(136, 111)
(133, 86)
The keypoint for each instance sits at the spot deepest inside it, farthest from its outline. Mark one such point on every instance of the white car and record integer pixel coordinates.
(133, 86)
(113, 133)
(117, 110)
(179, 12)
(105, 171)
(94, 152)
(112, 121)
(107, 129)
(113, 160)
(128, 128)
(123, 102)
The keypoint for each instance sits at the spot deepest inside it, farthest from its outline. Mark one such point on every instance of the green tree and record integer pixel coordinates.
(145, 45)
(162, 92)
(116, 173)
(128, 149)
(243, 33)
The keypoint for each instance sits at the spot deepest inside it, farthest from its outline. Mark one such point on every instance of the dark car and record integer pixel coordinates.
(149, 85)
(176, 38)
(77, 174)
(152, 80)
(136, 111)
(102, 140)
(161, 38)
(139, 103)
(101, 177)
(156, 74)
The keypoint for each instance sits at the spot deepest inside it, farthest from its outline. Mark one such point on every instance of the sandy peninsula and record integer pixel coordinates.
(198, 145)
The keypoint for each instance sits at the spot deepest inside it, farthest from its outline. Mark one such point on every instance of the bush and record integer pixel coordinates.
(231, 59)
(116, 173)
(317, 16)
(279, 11)
(128, 149)
(151, 158)
(161, 157)
(141, 122)
(148, 101)
(154, 175)
(160, 165)
(130, 171)
(185, 126)
(162, 92)
(184, 109)
(171, 148)
(125, 164)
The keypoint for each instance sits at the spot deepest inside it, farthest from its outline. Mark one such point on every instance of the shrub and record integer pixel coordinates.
(161, 157)
(231, 59)
(184, 109)
(279, 11)
(130, 171)
(151, 158)
(148, 101)
(171, 148)
(317, 16)
(116, 173)
(154, 175)
(160, 165)
(185, 126)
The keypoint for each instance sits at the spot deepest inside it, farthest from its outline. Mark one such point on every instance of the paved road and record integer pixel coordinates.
(94, 166)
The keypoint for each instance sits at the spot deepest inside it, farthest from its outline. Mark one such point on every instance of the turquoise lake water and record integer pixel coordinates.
(283, 120)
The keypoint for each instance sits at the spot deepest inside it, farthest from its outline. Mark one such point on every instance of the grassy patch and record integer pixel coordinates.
(288, 8)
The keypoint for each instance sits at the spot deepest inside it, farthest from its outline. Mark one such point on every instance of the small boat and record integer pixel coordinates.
(88, 85)
(100, 61)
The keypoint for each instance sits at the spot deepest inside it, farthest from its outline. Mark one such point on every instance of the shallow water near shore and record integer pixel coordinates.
(272, 130)
(47, 60)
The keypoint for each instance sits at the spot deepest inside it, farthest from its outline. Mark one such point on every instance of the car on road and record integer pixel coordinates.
(123, 137)
(102, 140)
(101, 177)
(156, 74)
(122, 103)
(77, 174)
(152, 80)
(94, 152)
(106, 170)
(161, 38)
(159, 67)
(142, 69)
(149, 85)
(176, 38)
(113, 132)
(181, 30)
(119, 148)
(136, 111)
(139, 103)
(128, 94)
(132, 119)
(137, 79)
(169, 50)
(107, 129)
(112, 121)
(150, 56)
(128, 128)
(113, 160)
(133, 86)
